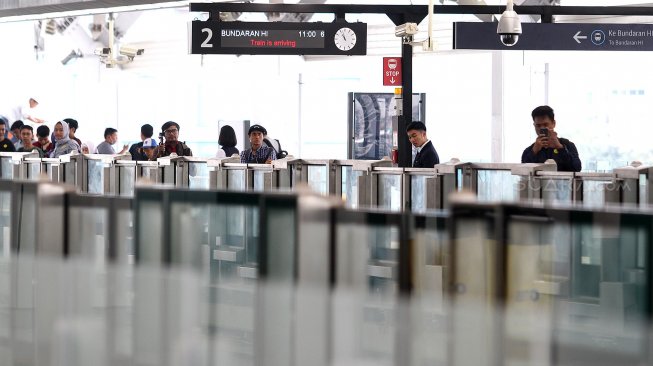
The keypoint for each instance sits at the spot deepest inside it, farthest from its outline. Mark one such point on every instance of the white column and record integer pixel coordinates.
(497, 107)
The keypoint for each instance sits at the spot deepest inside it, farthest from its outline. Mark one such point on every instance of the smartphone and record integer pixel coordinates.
(544, 132)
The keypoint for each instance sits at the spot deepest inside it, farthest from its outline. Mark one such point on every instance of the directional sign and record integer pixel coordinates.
(558, 36)
(391, 71)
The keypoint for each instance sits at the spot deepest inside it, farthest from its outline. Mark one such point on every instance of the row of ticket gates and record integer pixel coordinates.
(173, 275)
(360, 183)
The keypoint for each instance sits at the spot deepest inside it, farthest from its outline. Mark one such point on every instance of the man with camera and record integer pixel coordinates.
(548, 145)
(172, 145)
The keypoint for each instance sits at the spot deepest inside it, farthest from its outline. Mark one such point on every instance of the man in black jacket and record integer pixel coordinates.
(548, 145)
(172, 145)
(426, 156)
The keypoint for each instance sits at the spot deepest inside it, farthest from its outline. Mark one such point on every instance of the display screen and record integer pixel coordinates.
(278, 38)
(281, 38)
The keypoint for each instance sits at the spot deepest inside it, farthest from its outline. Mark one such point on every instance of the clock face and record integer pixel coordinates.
(345, 39)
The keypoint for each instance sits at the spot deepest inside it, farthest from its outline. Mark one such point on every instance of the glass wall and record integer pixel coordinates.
(600, 100)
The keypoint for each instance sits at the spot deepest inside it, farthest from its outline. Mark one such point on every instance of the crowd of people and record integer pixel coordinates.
(20, 137)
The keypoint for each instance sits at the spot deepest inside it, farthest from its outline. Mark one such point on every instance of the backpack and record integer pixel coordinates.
(276, 145)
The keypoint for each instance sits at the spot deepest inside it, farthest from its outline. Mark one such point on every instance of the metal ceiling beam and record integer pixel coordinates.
(536, 18)
(291, 17)
(16, 8)
(418, 11)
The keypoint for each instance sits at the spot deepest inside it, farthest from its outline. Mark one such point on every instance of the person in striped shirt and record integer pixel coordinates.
(259, 153)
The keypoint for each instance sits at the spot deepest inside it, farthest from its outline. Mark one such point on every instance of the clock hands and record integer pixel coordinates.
(345, 39)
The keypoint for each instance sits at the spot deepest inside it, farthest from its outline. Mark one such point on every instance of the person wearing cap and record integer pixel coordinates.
(259, 153)
(148, 147)
(426, 156)
(5, 143)
(135, 150)
(172, 145)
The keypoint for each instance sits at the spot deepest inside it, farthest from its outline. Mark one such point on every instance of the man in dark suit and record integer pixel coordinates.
(426, 156)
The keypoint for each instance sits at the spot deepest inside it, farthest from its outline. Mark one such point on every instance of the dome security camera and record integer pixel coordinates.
(509, 27)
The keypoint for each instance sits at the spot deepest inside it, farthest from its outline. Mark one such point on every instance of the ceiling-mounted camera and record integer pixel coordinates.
(102, 51)
(509, 28)
(406, 30)
(130, 51)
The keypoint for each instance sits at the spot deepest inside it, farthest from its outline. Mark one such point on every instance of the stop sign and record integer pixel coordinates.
(391, 71)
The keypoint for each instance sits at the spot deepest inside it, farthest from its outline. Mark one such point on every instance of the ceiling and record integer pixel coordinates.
(78, 31)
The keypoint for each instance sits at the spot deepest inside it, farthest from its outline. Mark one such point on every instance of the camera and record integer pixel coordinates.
(102, 51)
(509, 28)
(406, 30)
(131, 52)
(544, 132)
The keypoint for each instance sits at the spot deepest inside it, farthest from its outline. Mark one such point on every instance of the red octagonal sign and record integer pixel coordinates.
(391, 71)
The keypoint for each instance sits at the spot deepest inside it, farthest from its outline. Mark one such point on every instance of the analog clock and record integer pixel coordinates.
(345, 39)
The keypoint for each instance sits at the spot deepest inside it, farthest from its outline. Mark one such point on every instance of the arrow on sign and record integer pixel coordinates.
(392, 80)
(578, 37)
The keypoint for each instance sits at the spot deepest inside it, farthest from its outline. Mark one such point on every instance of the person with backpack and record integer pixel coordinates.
(259, 152)
(276, 145)
(227, 141)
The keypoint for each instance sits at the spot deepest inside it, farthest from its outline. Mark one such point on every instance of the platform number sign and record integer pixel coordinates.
(278, 38)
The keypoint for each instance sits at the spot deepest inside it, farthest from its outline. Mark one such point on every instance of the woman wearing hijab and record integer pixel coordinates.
(63, 145)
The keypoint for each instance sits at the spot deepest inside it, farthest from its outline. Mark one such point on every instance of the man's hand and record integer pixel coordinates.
(553, 140)
(124, 149)
(160, 151)
(35, 120)
(540, 143)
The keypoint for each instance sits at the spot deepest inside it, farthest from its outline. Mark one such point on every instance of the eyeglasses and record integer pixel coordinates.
(174, 130)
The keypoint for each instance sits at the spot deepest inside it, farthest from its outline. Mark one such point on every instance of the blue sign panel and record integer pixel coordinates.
(558, 36)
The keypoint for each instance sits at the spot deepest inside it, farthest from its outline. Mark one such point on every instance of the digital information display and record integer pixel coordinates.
(272, 38)
(278, 38)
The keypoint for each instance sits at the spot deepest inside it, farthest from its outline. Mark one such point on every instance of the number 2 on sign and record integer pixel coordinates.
(209, 35)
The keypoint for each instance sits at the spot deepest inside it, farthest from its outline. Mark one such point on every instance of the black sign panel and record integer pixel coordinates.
(558, 36)
(278, 38)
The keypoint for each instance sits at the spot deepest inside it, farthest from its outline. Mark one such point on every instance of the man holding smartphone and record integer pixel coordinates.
(548, 145)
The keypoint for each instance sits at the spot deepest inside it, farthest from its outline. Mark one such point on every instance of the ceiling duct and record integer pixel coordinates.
(490, 18)
(292, 17)
(535, 18)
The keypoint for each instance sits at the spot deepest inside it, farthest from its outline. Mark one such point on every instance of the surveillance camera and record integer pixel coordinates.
(102, 51)
(406, 30)
(130, 51)
(509, 28)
